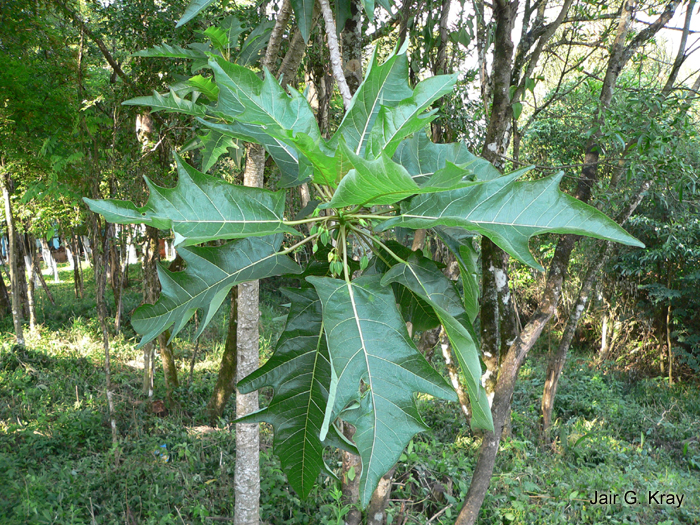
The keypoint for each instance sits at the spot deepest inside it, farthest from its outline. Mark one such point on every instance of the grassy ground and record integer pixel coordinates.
(57, 463)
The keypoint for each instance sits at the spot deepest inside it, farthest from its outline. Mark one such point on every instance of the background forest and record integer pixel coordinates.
(570, 382)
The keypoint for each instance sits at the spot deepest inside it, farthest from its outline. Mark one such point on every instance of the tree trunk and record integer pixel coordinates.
(26, 242)
(49, 260)
(226, 380)
(150, 295)
(99, 256)
(376, 511)
(350, 480)
(247, 470)
(668, 331)
(169, 367)
(453, 372)
(77, 270)
(13, 256)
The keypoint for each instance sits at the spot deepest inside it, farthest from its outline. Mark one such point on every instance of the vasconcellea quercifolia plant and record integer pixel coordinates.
(345, 351)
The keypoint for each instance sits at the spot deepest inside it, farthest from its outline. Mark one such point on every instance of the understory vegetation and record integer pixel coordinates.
(615, 431)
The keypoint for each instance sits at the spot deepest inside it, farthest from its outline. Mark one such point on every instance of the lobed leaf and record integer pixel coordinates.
(384, 85)
(193, 9)
(169, 103)
(210, 273)
(215, 145)
(510, 212)
(421, 276)
(408, 116)
(383, 181)
(168, 51)
(201, 208)
(300, 373)
(369, 345)
(422, 158)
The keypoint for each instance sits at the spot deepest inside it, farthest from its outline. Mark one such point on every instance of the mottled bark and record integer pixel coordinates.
(376, 511)
(273, 45)
(226, 380)
(453, 373)
(247, 469)
(167, 356)
(351, 38)
(13, 257)
(5, 305)
(494, 263)
(49, 260)
(150, 295)
(350, 480)
(334, 50)
(419, 237)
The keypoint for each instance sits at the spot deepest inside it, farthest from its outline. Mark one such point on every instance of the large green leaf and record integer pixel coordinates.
(264, 112)
(422, 158)
(210, 273)
(195, 7)
(408, 116)
(215, 145)
(168, 51)
(383, 181)
(376, 368)
(384, 85)
(460, 244)
(284, 155)
(510, 212)
(201, 208)
(300, 374)
(169, 103)
(424, 278)
(254, 43)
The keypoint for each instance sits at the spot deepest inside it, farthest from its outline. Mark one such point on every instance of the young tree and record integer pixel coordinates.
(345, 351)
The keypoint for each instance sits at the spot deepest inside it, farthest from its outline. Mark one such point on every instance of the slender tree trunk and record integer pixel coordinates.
(350, 480)
(150, 295)
(5, 304)
(43, 284)
(668, 331)
(49, 260)
(167, 356)
(453, 373)
(226, 380)
(30, 262)
(13, 256)
(247, 470)
(99, 256)
(22, 276)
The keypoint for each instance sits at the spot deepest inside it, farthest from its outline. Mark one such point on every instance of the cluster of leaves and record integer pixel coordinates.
(345, 351)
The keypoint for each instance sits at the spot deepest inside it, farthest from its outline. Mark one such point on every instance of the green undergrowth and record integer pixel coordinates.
(612, 434)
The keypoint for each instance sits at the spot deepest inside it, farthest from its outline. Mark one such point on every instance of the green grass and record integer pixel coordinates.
(57, 463)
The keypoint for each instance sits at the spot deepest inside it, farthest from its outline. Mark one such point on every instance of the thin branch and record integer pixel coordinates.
(273, 46)
(334, 49)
